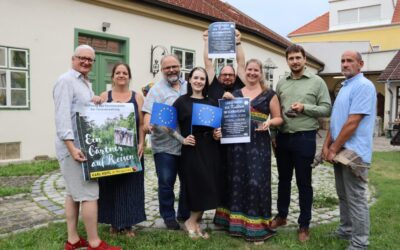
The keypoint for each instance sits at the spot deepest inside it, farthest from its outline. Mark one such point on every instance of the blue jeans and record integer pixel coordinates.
(295, 151)
(167, 169)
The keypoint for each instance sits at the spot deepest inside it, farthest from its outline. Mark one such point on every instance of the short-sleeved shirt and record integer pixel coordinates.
(162, 92)
(312, 92)
(71, 92)
(217, 90)
(357, 96)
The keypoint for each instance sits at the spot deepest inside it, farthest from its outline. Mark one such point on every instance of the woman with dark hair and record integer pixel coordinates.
(247, 212)
(200, 154)
(121, 197)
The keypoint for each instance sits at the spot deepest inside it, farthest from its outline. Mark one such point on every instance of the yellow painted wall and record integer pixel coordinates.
(387, 38)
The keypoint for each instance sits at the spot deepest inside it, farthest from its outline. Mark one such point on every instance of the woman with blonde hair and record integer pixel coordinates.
(248, 211)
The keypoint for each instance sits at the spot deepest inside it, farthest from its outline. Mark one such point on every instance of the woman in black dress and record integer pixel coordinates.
(200, 154)
(248, 211)
(121, 197)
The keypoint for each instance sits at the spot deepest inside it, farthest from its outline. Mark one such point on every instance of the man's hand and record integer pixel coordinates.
(77, 155)
(205, 36)
(238, 36)
(228, 96)
(297, 106)
(147, 128)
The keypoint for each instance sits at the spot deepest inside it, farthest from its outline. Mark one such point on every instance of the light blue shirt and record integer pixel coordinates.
(71, 92)
(357, 96)
(162, 92)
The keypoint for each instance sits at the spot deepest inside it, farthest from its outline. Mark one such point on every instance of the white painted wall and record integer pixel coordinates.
(387, 10)
(330, 52)
(47, 27)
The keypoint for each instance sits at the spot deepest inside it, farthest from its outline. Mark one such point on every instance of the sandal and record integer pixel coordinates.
(129, 233)
(192, 234)
(203, 235)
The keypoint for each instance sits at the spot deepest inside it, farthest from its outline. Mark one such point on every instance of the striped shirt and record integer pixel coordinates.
(70, 93)
(162, 92)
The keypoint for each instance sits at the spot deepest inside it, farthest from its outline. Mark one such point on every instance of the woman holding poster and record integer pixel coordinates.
(248, 211)
(121, 197)
(200, 153)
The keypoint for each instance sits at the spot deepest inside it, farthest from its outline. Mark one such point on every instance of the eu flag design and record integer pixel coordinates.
(163, 115)
(206, 115)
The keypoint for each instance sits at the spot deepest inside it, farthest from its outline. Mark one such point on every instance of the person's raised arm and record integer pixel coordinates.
(207, 61)
(240, 58)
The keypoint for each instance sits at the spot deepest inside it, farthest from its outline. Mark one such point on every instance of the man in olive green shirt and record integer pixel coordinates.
(304, 97)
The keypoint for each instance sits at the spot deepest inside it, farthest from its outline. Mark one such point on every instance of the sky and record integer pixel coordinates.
(282, 16)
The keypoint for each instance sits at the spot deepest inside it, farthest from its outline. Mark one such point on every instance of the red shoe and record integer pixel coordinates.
(79, 244)
(103, 246)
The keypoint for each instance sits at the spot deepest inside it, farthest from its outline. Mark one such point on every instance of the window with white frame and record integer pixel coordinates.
(186, 59)
(14, 77)
(219, 63)
(360, 15)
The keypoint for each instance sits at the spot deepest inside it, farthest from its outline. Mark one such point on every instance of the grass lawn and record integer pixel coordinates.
(385, 225)
(18, 178)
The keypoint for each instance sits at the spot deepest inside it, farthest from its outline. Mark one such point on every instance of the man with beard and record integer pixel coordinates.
(166, 149)
(351, 129)
(304, 98)
(227, 79)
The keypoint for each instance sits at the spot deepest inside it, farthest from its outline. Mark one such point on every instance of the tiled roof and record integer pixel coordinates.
(321, 23)
(392, 71)
(396, 15)
(217, 10)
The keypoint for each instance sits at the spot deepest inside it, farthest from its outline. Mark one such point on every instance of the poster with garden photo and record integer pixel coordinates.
(107, 135)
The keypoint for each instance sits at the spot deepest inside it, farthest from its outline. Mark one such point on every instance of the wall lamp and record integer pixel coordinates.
(105, 26)
(269, 67)
(156, 58)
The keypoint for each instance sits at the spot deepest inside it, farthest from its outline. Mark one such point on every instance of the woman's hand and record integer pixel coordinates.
(140, 150)
(263, 126)
(228, 96)
(97, 100)
(189, 141)
(217, 134)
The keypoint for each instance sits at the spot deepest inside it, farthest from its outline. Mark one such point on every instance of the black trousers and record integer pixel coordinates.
(296, 151)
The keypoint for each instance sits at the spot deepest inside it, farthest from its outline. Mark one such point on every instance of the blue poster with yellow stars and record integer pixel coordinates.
(164, 115)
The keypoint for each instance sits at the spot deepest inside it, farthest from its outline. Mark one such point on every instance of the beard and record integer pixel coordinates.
(172, 78)
(297, 71)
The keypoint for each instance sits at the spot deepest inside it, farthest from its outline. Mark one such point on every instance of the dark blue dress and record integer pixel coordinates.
(247, 209)
(121, 197)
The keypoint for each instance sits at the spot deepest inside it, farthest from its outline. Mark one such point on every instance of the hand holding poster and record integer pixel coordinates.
(107, 135)
(235, 125)
(221, 40)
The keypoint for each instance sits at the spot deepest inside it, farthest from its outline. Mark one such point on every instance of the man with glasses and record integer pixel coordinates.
(71, 91)
(166, 149)
(227, 79)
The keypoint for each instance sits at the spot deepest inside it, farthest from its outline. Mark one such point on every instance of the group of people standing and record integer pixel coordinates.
(234, 179)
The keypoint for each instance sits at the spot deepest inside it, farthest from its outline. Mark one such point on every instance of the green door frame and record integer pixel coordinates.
(99, 76)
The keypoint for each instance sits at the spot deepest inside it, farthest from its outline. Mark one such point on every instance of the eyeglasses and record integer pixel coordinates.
(228, 75)
(85, 59)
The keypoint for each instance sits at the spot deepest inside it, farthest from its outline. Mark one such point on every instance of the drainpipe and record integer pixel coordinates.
(391, 100)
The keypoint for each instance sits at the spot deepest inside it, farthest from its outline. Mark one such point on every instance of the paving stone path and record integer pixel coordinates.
(45, 203)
